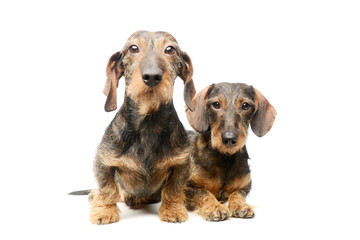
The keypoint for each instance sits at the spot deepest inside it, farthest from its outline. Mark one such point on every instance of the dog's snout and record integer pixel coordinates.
(152, 76)
(229, 138)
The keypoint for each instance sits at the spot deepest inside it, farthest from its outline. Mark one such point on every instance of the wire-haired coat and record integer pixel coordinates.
(143, 156)
(220, 170)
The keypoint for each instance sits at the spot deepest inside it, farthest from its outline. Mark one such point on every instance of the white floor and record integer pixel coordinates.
(67, 218)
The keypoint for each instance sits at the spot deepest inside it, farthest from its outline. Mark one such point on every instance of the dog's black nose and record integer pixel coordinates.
(229, 138)
(152, 76)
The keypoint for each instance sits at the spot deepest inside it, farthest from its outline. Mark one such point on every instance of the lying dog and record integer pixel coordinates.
(143, 156)
(220, 170)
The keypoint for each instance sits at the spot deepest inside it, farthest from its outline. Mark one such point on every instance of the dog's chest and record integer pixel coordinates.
(140, 182)
(146, 148)
(149, 146)
(150, 137)
(221, 174)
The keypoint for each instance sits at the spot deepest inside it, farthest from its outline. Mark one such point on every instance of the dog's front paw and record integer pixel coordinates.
(104, 214)
(216, 213)
(174, 213)
(242, 211)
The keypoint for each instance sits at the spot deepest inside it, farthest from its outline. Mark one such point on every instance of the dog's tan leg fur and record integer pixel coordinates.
(173, 208)
(211, 209)
(103, 208)
(206, 204)
(238, 206)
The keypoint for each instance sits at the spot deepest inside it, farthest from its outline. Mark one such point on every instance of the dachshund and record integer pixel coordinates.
(144, 154)
(219, 159)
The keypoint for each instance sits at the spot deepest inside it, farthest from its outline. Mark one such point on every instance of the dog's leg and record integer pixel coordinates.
(238, 206)
(206, 204)
(103, 200)
(172, 208)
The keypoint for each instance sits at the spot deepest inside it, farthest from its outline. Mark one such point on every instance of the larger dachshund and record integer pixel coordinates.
(143, 156)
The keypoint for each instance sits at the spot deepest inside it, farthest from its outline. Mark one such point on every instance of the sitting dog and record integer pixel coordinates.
(219, 160)
(143, 156)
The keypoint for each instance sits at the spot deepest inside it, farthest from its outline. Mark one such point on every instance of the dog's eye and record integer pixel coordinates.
(170, 50)
(134, 49)
(245, 106)
(216, 105)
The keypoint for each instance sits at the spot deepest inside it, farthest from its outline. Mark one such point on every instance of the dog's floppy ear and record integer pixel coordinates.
(264, 116)
(114, 71)
(198, 118)
(186, 73)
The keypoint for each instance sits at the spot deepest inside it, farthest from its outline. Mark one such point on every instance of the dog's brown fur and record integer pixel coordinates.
(219, 163)
(143, 156)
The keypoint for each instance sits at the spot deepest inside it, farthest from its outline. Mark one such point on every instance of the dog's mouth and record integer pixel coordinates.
(228, 143)
(230, 150)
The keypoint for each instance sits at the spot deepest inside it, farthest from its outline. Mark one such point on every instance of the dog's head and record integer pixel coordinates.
(227, 110)
(150, 62)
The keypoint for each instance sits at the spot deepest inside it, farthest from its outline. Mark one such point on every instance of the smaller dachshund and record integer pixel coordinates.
(219, 159)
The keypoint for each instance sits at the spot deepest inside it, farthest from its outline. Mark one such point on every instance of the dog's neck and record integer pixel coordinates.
(131, 112)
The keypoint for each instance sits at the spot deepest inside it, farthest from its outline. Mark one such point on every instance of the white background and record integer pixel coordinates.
(304, 56)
